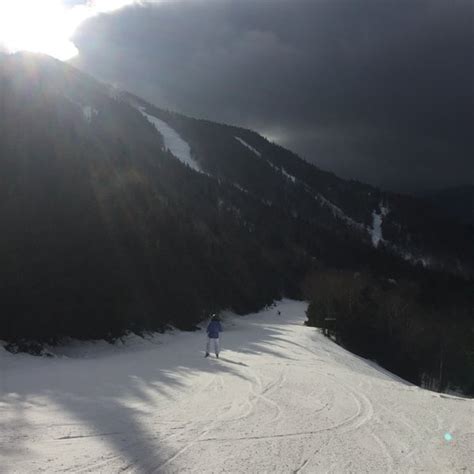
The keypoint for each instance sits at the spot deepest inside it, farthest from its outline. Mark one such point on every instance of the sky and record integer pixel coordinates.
(378, 91)
(46, 26)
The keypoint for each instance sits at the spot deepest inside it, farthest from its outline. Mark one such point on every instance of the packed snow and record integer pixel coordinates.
(173, 141)
(281, 398)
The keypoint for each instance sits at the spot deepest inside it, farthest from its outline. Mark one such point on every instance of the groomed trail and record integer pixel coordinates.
(282, 398)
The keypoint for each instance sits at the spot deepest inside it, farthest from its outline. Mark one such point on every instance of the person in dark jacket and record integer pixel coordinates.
(213, 330)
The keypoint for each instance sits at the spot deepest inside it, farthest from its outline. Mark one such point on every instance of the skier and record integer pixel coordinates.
(213, 329)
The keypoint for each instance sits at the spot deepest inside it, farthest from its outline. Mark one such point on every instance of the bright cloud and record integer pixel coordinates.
(46, 26)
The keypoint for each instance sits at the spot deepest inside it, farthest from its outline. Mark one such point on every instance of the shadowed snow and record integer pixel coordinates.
(281, 398)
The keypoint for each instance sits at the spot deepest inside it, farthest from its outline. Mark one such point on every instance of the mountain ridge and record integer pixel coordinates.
(297, 169)
(107, 231)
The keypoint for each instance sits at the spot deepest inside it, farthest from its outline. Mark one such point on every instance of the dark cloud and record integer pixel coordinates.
(380, 91)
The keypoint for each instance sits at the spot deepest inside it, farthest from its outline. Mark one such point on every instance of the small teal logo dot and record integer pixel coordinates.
(448, 437)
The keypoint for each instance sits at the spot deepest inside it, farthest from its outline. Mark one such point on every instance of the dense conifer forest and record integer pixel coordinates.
(421, 329)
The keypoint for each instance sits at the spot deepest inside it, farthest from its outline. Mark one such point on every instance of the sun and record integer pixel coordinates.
(38, 26)
(46, 26)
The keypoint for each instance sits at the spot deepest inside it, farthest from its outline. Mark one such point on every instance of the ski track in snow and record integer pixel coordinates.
(282, 398)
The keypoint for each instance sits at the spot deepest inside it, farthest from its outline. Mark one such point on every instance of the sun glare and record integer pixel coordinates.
(46, 26)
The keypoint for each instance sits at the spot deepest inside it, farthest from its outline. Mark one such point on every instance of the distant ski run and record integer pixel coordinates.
(173, 141)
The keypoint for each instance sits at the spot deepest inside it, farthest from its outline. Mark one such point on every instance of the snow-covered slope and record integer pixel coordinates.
(282, 398)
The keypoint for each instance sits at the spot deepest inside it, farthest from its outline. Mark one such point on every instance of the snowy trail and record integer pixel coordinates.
(282, 398)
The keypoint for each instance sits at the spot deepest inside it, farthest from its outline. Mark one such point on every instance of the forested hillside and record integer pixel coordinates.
(104, 230)
(421, 329)
(456, 202)
(410, 228)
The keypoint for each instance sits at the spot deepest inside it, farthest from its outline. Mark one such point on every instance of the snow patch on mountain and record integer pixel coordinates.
(423, 260)
(114, 92)
(250, 147)
(288, 175)
(89, 112)
(282, 171)
(173, 141)
(273, 166)
(240, 188)
(375, 232)
(339, 213)
(377, 220)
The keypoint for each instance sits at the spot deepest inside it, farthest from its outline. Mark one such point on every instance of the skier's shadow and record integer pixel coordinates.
(228, 361)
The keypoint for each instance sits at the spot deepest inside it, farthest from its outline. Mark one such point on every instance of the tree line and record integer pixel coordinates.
(421, 330)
